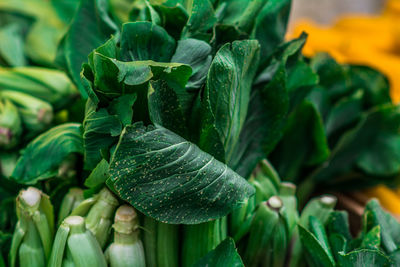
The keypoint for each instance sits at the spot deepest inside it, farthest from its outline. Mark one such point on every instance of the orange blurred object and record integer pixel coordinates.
(389, 199)
(360, 39)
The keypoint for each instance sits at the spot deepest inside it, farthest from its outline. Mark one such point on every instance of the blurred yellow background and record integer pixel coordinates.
(358, 38)
(357, 32)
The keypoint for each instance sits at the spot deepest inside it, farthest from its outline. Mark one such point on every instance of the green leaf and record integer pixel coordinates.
(201, 21)
(165, 109)
(383, 156)
(317, 228)
(90, 28)
(305, 132)
(300, 81)
(345, 112)
(264, 124)
(99, 175)
(372, 239)
(145, 41)
(315, 252)
(338, 244)
(356, 143)
(389, 226)
(376, 86)
(113, 78)
(229, 11)
(100, 131)
(65, 9)
(172, 180)
(333, 76)
(363, 257)
(122, 107)
(173, 18)
(54, 146)
(196, 54)
(225, 254)
(50, 85)
(338, 223)
(227, 93)
(12, 45)
(270, 26)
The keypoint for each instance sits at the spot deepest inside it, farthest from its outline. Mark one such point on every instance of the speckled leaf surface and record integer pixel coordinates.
(172, 180)
(227, 92)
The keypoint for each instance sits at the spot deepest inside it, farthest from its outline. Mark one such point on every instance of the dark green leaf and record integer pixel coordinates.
(300, 80)
(382, 157)
(315, 252)
(122, 107)
(225, 254)
(264, 124)
(345, 112)
(357, 142)
(100, 132)
(165, 109)
(113, 77)
(389, 226)
(375, 84)
(99, 175)
(333, 76)
(305, 132)
(270, 26)
(172, 180)
(90, 28)
(196, 54)
(395, 257)
(318, 230)
(145, 41)
(372, 239)
(173, 18)
(339, 223)
(53, 146)
(228, 91)
(338, 244)
(201, 21)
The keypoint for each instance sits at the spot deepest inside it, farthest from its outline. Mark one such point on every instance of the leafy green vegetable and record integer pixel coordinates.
(100, 131)
(224, 254)
(228, 92)
(152, 168)
(304, 131)
(54, 146)
(145, 41)
(79, 41)
(317, 254)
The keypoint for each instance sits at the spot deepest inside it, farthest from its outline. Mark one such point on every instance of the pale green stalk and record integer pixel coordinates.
(33, 236)
(75, 245)
(10, 124)
(99, 218)
(36, 114)
(70, 201)
(127, 248)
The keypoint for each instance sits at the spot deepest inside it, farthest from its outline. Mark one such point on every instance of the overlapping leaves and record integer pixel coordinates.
(171, 179)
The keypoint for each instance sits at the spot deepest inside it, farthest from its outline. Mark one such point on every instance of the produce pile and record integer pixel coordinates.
(372, 40)
(185, 133)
